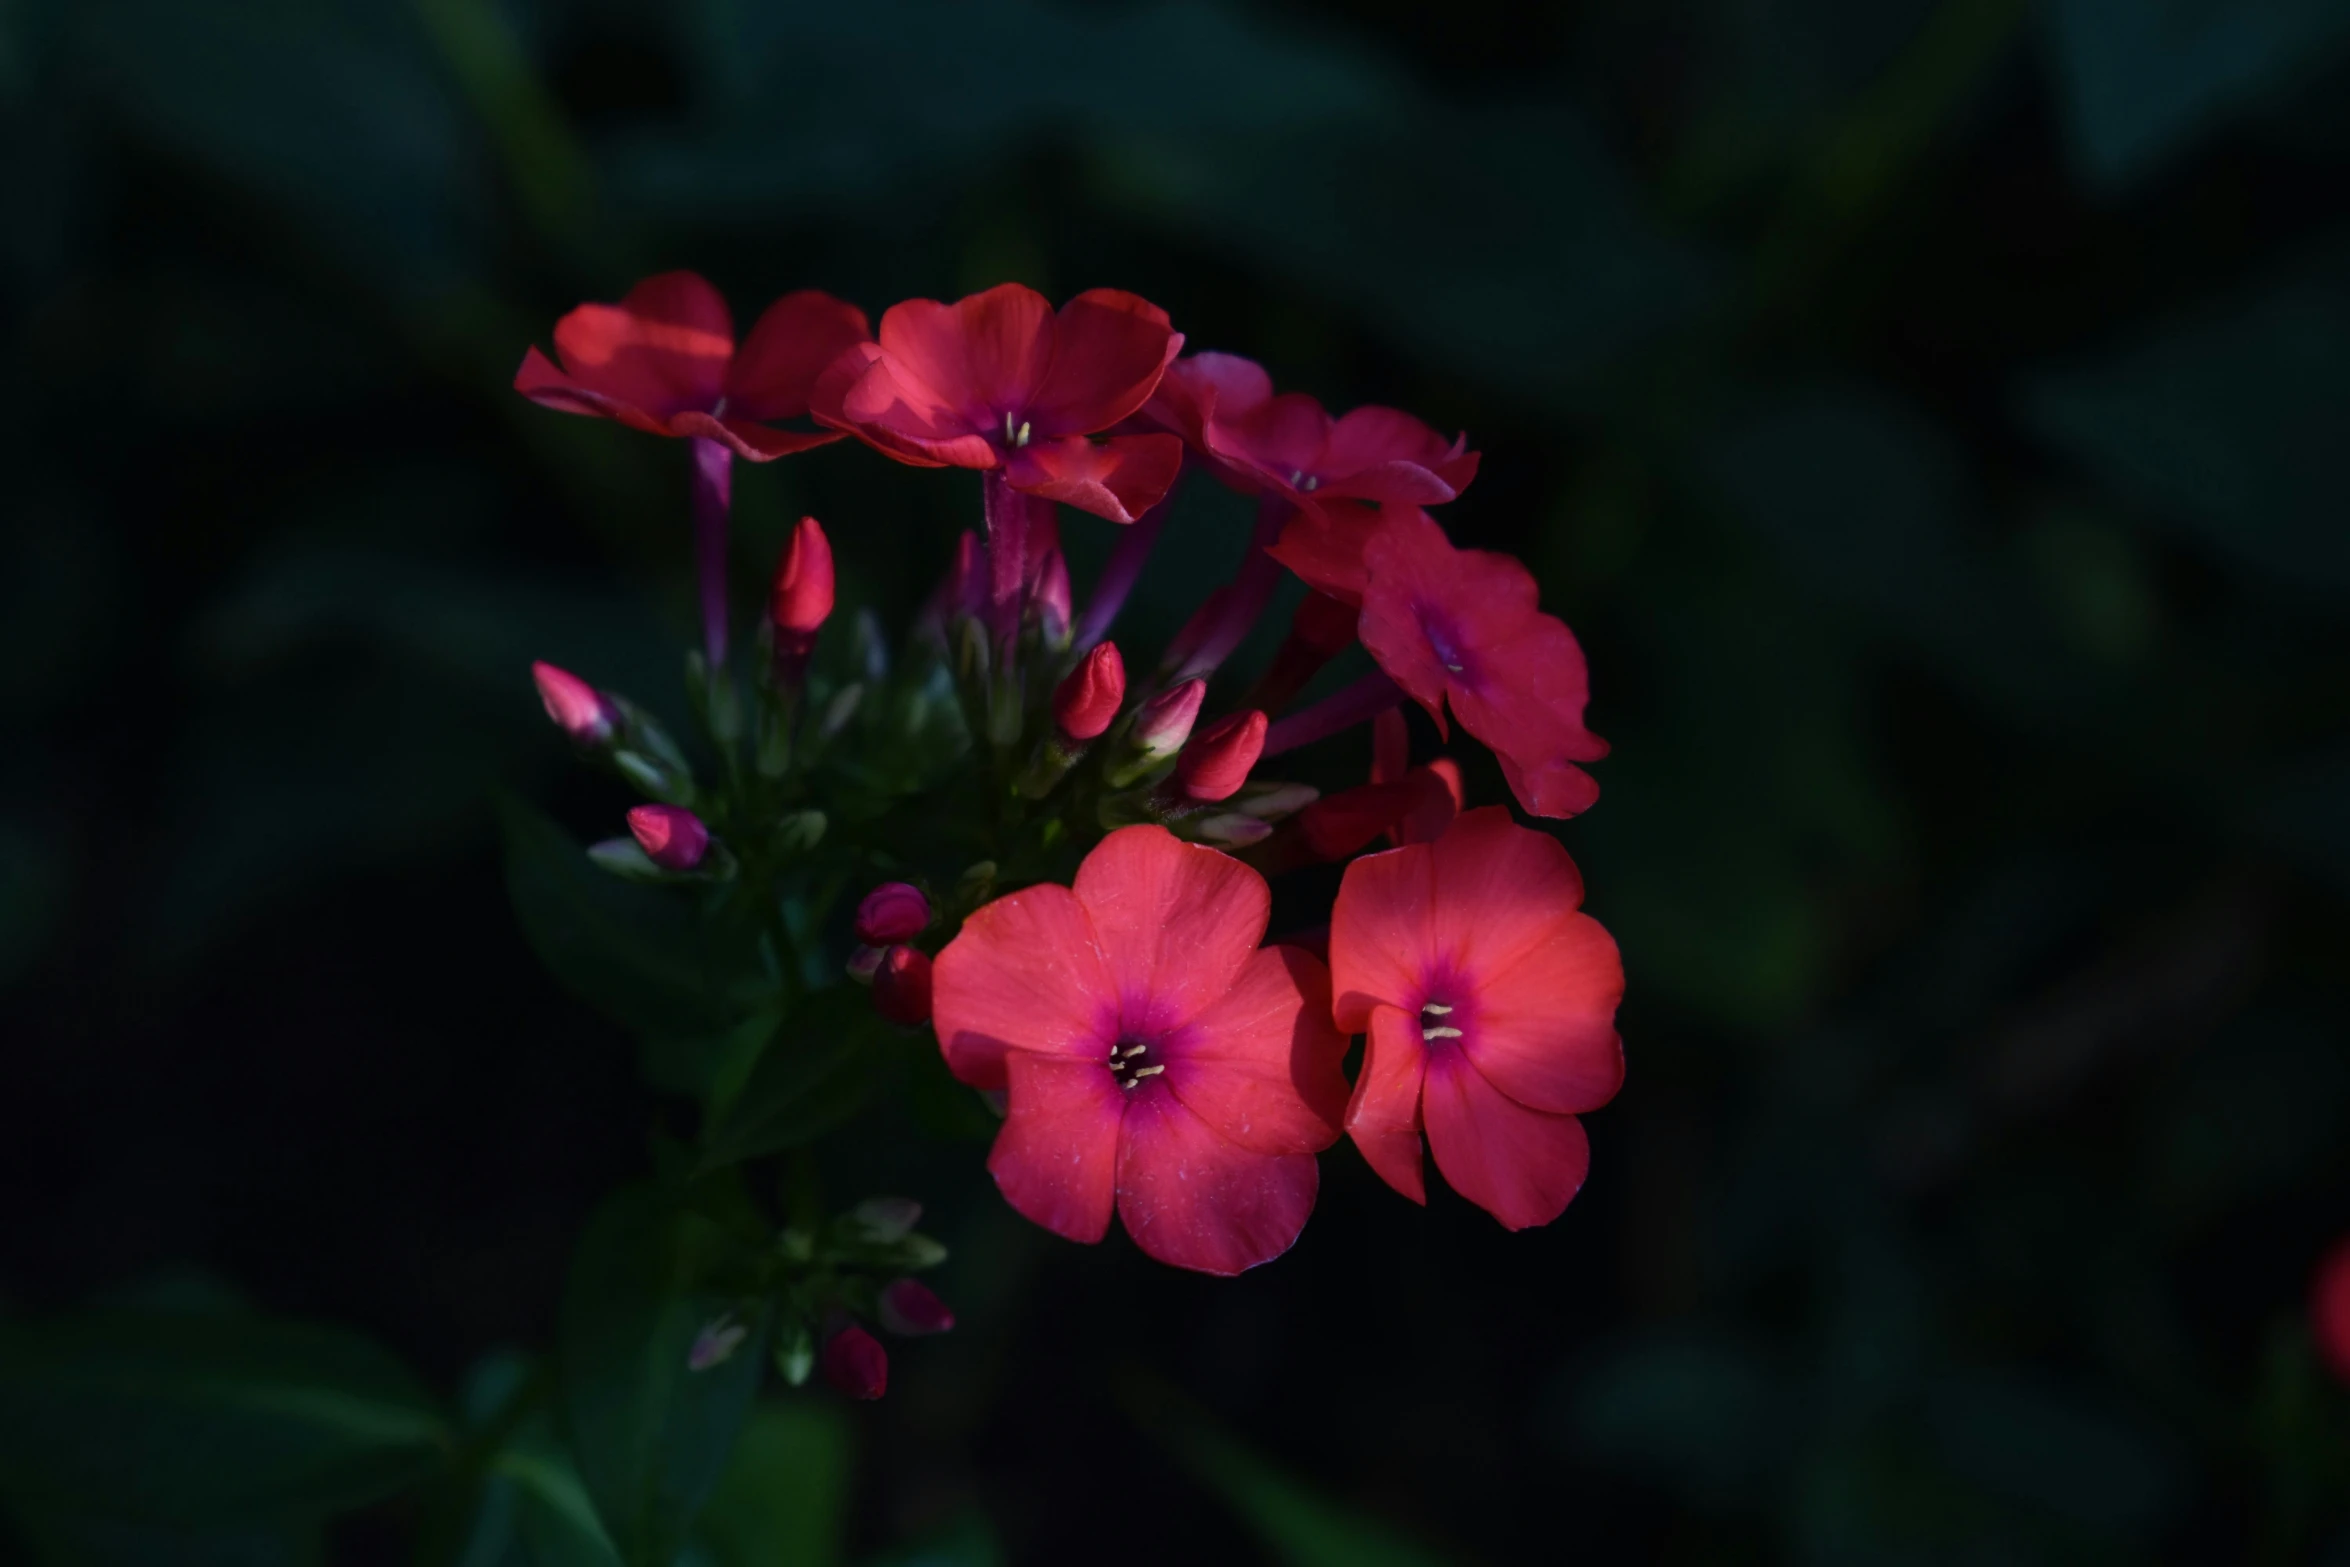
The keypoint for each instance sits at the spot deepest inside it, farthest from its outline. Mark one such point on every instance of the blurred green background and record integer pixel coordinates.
(1934, 415)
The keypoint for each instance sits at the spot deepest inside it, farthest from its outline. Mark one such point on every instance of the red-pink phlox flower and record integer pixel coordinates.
(664, 360)
(1490, 1003)
(1462, 629)
(999, 381)
(1159, 1062)
(855, 1363)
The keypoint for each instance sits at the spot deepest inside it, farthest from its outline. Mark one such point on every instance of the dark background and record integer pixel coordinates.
(1932, 416)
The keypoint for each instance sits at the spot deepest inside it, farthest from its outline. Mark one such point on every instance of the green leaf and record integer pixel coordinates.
(1711, 1418)
(634, 953)
(651, 1437)
(198, 1418)
(783, 1500)
(1296, 1525)
(823, 1062)
(2077, 1458)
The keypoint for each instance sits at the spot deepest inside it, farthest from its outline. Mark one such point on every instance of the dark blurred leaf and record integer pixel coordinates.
(2035, 1444)
(207, 1416)
(2258, 1108)
(2139, 77)
(2231, 425)
(2307, 812)
(650, 1436)
(828, 1053)
(533, 1510)
(1296, 1525)
(1708, 1416)
(783, 1501)
(633, 952)
(967, 1542)
(76, 1541)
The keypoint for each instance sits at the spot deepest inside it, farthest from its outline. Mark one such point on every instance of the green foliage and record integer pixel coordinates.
(1297, 1526)
(783, 1499)
(819, 1063)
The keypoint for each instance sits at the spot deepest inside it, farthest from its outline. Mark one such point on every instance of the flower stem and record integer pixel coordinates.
(713, 499)
(1366, 699)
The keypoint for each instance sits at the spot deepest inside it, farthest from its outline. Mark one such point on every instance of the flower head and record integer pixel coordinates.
(1000, 381)
(1490, 1003)
(664, 360)
(2329, 1308)
(1159, 1063)
(1461, 629)
(892, 912)
(671, 836)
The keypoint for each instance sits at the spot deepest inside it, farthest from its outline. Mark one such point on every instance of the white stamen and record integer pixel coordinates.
(1141, 1072)
(1437, 1007)
(1440, 1032)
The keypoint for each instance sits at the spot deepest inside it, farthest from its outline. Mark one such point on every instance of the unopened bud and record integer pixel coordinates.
(577, 708)
(671, 836)
(802, 600)
(910, 1309)
(716, 1343)
(1090, 695)
(862, 962)
(856, 1364)
(1273, 802)
(1166, 719)
(1052, 601)
(884, 1220)
(1228, 829)
(1216, 762)
(893, 912)
(901, 986)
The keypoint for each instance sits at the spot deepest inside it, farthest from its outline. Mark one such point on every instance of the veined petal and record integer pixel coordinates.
(1382, 938)
(985, 352)
(1109, 349)
(751, 442)
(1500, 892)
(1384, 454)
(1520, 1165)
(1543, 1029)
(1383, 1116)
(1194, 1200)
(1174, 923)
(1323, 544)
(664, 348)
(794, 341)
(1261, 1064)
(539, 380)
(1025, 973)
(1056, 1158)
(1119, 478)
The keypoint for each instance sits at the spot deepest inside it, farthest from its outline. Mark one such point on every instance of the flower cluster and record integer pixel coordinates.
(1068, 887)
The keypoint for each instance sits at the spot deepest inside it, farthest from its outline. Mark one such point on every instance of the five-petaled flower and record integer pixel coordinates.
(999, 381)
(665, 360)
(1490, 1003)
(1159, 1062)
(1462, 629)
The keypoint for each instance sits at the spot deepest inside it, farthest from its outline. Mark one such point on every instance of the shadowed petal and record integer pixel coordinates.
(664, 348)
(1119, 478)
(539, 380)
(1109, 349)
(794, 341)
(1519, 1165)
(1383, 1117)
(1056, 1158)
(1025, 973)
(1382, 942)
(984, 353)
(1194, 1200)
(1261, 1064)
(751, 442)
(1543, 1030)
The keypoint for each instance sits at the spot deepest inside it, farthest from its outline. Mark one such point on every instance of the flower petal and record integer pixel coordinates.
(751, 442)
(1056, 1158)
(664, 348)
(1323, 544)
(539, 380)
(1025, 973)
(1519, 1165)
(1500, 892)
(1382, 944)
(1383, 1116)
(983, 355)
(794, 341)
(1194, 1200)
(1543, 1029)
(898, 413)
(1119, 478)
(1109, 349)
(1261, 1064)
(1527, 702)
(1174, 922)
(1384, 454)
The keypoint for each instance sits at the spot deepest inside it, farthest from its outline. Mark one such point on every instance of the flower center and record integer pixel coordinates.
(1302, 480)
(1127, 1058)
(1014, 436)
(1441, 640)
(1436, 1023)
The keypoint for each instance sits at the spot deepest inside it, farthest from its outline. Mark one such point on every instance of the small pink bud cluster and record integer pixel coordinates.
(800, 602)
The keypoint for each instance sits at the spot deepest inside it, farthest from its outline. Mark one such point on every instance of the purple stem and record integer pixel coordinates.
(1127, 558)
(713, 498)
(1366, 699)
(1251, 591)
(1007, 554)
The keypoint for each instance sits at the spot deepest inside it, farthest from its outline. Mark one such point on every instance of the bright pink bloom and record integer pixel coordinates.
(664, 360)
(2329, 1308)
(1490, 1003)
(578, 709)
(671, 836)
(1215, 762)
(1462, 628)
(802, 598)
(901, 986)
(1090, 695)
(997, 380)
(910, 1309)
(855, 1363)
(1159, 1063)
(893, 912)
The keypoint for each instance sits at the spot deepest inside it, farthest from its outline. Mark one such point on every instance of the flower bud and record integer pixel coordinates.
(1216, 762)
(863, 961)
(577, 708)
(1229, 829)
(1052, 601)
(1090, 695)
(855, 1363)
(1273, 802)
(909, 1309)
(901, 986)
(671, 836)
(2329, 1308)
(1166, 719)
(716, 1343)
(893, 912)
(801, 600)
(884, 1220)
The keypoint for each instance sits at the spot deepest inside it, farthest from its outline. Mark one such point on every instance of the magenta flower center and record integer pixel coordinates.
(1444, 640)
(1015, 429)
(1130, 1063)
(1437, 1023)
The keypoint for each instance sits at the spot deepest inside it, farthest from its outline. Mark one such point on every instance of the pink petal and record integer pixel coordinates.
(1543, 1029)
(1323, 543)
(1175, 923)
(1119, 478)
(1283, 437)
(1109, 350)
(1519, 1165)
(539, 380)
(751, 442)
(984, 354)
(1384, 454)
(1382, 937)
(664, 348)
(1526, 702)
(1500, 892)
(794, 341)
(1383, 1116)
(1056, 1158)
(1025, 973)
(1194, 1200)
(1261, 1065)
(898, 413)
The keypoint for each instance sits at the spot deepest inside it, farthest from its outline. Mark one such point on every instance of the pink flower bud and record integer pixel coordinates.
(1091, 694)
(909, 1309)
(891, 913)
(855, 1363)
(671, 836)
(1053, 600)
(1216, 762)
(577, 708)
(802, 598)
(2329, 1308)
(1166, 719)
(901, 986)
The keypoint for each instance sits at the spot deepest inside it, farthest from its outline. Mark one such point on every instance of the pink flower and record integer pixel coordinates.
(999, 381)
(671, 836)
(855, 1363)
(1158, 1061)
(1461, 628)
(1215, 762)
(664, 360)
(1490, 1002)
(2329, 1308)
(893, 912)
(1090, 695)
